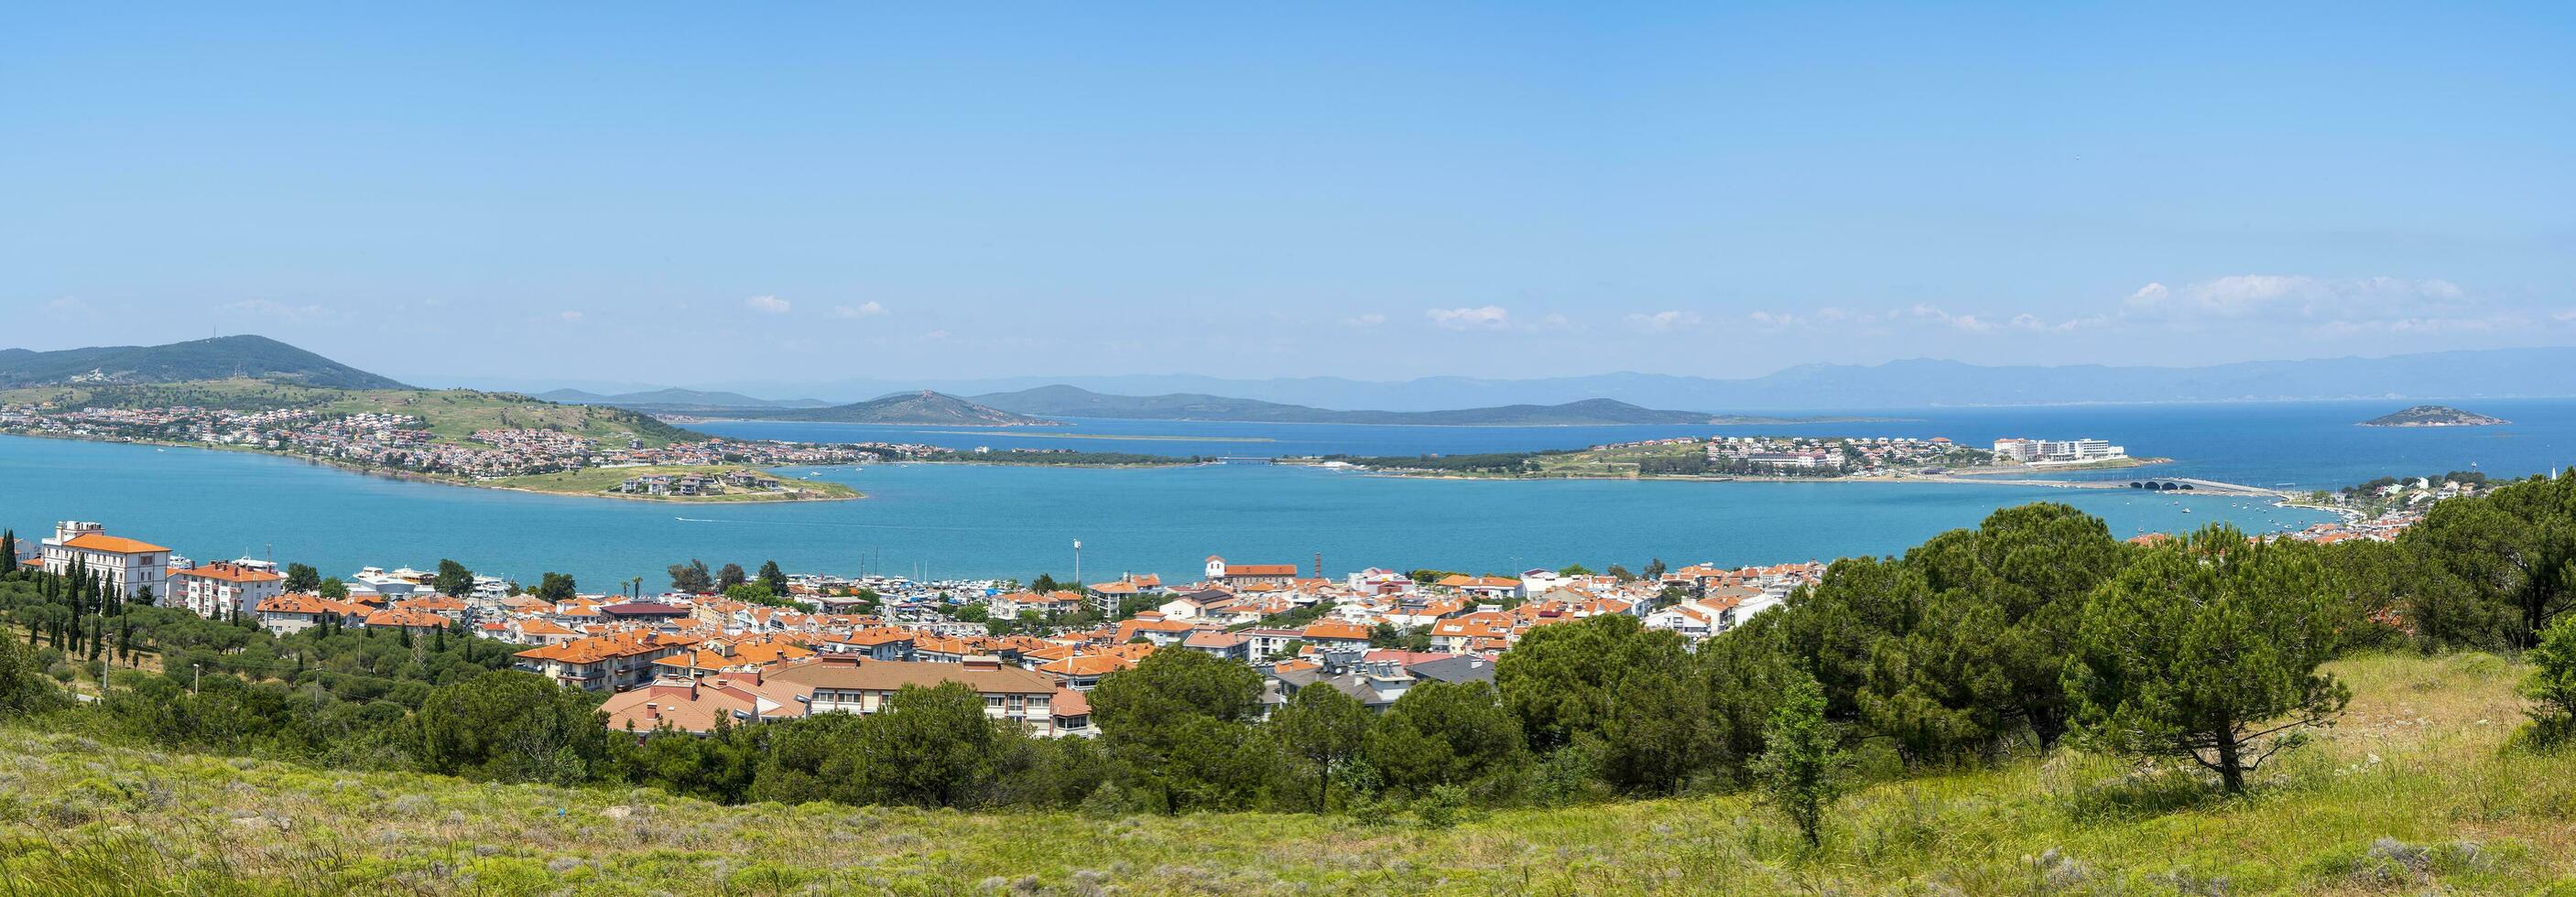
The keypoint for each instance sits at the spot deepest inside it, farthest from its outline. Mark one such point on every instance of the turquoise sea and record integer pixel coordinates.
(954, 521)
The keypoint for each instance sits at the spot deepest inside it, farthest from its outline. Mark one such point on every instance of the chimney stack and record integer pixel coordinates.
(652, 710)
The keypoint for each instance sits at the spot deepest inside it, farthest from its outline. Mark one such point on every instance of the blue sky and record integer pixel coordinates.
(685, 193)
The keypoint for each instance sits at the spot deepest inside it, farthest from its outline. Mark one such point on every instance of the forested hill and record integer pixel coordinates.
(219, 358)
(924, 407)
(1071, 401)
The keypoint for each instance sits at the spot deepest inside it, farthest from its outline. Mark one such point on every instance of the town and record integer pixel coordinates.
(730, 645)
(402, 442)
(759, 647)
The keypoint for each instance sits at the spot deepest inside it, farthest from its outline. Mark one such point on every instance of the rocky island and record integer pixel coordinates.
(2433, 416)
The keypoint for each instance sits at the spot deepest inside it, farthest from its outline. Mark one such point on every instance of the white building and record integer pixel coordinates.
(135, 569)
(2058, 451)
(226, 587)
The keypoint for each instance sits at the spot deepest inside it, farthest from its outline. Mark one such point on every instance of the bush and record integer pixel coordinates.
(1442, 807)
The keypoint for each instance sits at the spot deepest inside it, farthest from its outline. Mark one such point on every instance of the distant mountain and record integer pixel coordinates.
(1068, 401)
(220, 358)
(1916, 383)
(676, 400)
(924, 407)
(2433, 416)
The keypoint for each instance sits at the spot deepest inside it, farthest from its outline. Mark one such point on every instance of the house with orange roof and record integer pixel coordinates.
(721, 656)
(1239, 575)
(298, 611)
(1157, 632)
(536, 631)
(1489, 587)
(1269, 642)
(697, 705)
(879, 643)
(1006, 606)
(136, 569)
(1218, 642)
(416, 622)
(611, 662)
(849, 684)
(1082, 671)
(1334, 634)
(1478, 631)
(225, 588)
(1072, 712)
(452, 608)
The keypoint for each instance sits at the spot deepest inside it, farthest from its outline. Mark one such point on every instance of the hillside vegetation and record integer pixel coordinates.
(2414, 792)
(219, 358)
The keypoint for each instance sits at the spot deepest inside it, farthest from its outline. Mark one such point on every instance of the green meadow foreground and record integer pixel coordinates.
(2414, 791)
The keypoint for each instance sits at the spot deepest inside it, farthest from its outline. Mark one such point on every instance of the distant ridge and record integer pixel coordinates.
(1069, 401)
(1913, 383)
(922, 407)
(218, 358)
(675, 400)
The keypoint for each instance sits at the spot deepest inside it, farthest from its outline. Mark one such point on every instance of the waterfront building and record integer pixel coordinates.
(225, 588)
(1238, 575)
(135, 569)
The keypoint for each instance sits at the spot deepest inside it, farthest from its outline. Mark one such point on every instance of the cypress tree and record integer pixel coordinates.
(8, 551)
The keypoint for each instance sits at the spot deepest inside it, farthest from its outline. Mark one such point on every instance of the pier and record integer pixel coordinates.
(2195, 485)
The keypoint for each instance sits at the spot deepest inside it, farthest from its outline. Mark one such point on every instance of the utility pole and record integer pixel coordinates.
(199, 679)
(1077, 563)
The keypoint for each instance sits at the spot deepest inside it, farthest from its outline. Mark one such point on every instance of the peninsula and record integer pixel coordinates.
(2433, 416)
(250, 393)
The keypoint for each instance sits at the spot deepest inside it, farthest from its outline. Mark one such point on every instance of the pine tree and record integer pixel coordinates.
(1802, 762)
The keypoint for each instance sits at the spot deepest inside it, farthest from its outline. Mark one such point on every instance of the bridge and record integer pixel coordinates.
(2193, 485)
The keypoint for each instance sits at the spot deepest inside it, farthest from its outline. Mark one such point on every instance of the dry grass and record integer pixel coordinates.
(2412, 794)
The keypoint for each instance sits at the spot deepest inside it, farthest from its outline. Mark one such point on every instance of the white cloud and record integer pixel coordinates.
(568, 316)
(1371, 319)
(766, 304)
(295, 314)
(68, 308)
(1666, 321)
(1491, 317)
(862, 310)
(1965, 323)
(2295, 297)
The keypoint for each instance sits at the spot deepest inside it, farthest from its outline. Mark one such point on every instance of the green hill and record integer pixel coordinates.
(2433, 416)
(220, 358)
(923, 408)
(2412, 794)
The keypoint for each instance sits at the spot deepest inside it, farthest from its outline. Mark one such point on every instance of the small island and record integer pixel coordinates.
(2433, 416)
(681, 483)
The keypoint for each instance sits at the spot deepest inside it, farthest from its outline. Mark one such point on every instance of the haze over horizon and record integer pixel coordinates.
(662, 196)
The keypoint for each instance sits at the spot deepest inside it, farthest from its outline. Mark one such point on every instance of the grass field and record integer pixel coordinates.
(597, 481)
(2412, 793)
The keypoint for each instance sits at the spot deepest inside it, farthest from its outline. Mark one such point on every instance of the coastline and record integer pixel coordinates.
(413, 477)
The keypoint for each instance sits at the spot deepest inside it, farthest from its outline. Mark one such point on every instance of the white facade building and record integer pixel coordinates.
(134, 568)
(226, 588)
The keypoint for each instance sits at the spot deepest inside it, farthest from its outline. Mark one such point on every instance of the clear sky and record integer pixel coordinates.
(679, 193)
